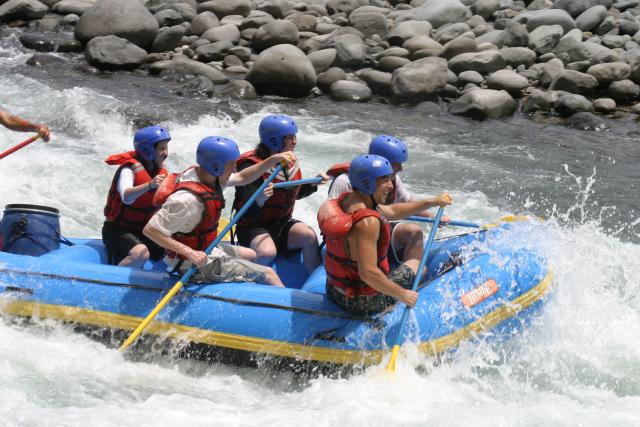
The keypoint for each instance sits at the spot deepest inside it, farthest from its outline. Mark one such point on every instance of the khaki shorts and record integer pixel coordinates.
(226, 266)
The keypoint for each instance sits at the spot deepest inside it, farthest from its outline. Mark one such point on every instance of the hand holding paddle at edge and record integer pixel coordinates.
(21, 125)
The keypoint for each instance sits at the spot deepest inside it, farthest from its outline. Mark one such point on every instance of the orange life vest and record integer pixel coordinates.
(278, 207)
(136, 215)
(342, 272)
(206, 231)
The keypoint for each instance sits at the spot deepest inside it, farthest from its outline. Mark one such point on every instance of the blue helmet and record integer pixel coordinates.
(214, 152)
(145, 140)
(364, 170)
(390, 148)
(274, 128)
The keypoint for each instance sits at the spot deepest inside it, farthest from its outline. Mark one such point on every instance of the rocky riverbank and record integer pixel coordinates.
(478, 58)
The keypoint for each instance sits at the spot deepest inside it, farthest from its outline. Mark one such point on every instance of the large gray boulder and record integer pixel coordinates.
(574, 82)
(484, 62)
(329, 77)
(277, 32)
(185, 65)
(585, 120)
(213, 51)
(282, 70)
(539, 100)
(417, 43)
(123, 18)
(406, 30)
(509, 81)
(345, 90)
(591, 18)
(571, 50)
(624, 91)
(458, 46)
(537, 18)
(239, 89)
(350, 49)
(276, 8)
(485, 8)
(572, 7)
(370, 23)
(168, 38)
(481, 104)
(441, 12)
(224, 8)
(567, 104)
(204, 21)
(378, 81)
(545, 38)
(322, 60)
(344, 6)
(609, 72)
(77, 7)
(515, 56)
(112, 52)
(227, 32)
(22, 9)
(448, 32)
(516, 35)
(419, 80)
(549, 71)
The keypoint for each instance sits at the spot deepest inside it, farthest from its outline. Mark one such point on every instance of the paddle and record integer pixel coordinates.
(19, 146)
(391, 366)
(452, 222)
(285, 184)
(185, 278)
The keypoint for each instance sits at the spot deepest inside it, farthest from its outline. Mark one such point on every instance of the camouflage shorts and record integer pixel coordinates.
(364, 305)
(227, 267)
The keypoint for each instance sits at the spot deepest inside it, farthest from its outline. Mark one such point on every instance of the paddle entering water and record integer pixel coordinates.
(185, 278)
(19, 146)
(391, 366)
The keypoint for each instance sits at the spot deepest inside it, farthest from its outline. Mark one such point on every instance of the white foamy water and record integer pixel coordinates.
(577, 364)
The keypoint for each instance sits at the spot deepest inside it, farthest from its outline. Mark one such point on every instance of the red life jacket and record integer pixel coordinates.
(278, 207)
(342, 272)
(343, 168)
(136, 215)
(206, 231)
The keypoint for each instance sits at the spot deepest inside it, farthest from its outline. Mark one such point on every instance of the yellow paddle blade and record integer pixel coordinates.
(391, 366)
(222, 223)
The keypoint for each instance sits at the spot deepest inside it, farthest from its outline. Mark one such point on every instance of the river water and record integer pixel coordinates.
(578, 364)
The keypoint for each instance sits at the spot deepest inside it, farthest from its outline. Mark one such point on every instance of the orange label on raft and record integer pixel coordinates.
(480, 293)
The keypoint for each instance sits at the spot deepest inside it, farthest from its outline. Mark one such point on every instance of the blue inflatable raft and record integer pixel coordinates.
(480, 281)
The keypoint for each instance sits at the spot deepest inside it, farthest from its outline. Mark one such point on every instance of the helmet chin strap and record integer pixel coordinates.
(373, 202)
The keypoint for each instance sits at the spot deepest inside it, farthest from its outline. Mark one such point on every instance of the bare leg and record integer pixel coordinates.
(138, 255)
(408, 241)
(264, 248)
(301, 236)
(245, 253)
(271, 278)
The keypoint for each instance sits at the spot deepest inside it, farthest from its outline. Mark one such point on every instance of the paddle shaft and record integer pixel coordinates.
(396, 346)
(185, 278)
(285, 184)
(456, 223)
(19, 146)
